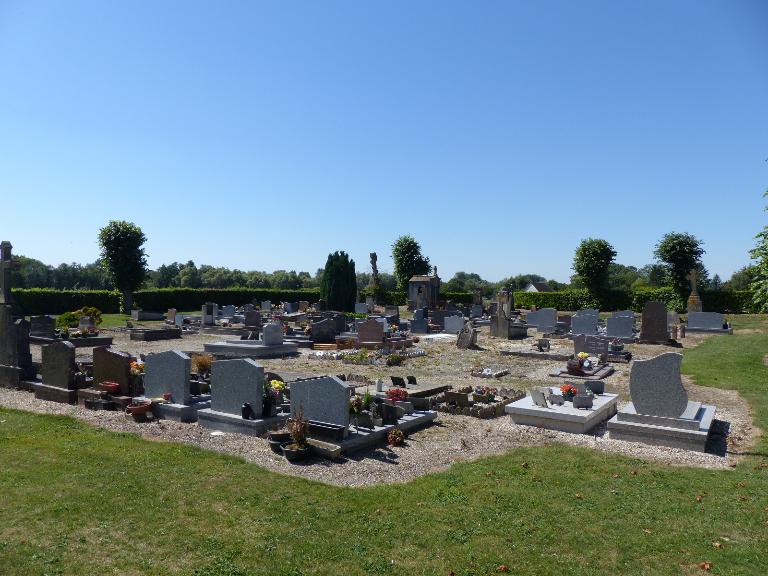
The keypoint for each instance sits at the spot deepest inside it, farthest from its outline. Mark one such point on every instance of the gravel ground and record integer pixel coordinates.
(451, 439)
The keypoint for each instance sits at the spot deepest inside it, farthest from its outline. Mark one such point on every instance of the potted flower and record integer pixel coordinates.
(397, 394)
(396, 437)
(568, 391)
(278, 388)
(297, 448)
(137, 375)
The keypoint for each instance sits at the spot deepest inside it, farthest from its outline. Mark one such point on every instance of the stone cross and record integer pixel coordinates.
(7, 266)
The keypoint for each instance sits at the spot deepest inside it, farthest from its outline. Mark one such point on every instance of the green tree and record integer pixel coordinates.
(167, 276)
(338, 285)
(592, 263)
(124, 258)
(759, 283)
(741, 279)
(680, 253)
(519, 282)
(409, 261)
(189, 276)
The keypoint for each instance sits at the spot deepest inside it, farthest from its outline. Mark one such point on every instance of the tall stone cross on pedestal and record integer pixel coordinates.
(694, 300)
(7, 266)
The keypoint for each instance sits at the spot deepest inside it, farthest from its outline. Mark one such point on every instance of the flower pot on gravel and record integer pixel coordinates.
(137, 408)
(294, 453)
(277, 439)
(111, 387)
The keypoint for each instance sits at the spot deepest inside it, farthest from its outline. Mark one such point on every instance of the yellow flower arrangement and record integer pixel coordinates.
(277, 385)
(583, 355)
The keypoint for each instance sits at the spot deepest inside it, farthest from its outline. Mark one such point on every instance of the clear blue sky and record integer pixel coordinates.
(264, 135)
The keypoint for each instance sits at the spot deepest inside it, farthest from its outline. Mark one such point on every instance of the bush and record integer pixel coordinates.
(161, 299)
(729, 301)
(34, 301)
(72, 319)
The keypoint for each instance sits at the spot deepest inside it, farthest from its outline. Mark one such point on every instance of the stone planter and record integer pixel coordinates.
(293, 453)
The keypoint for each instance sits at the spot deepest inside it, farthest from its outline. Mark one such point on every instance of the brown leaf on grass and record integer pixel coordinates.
(525, 465)
(706, 566)
(743, 498)
(742, 484)
(502, 568)
(647, 531)
(616, 476)
(489, 474)
(579, 496)
(699, 498)
(634, 472)
(717, 545)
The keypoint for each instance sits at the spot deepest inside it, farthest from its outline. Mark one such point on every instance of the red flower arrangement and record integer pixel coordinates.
(397, 394)
(568, 391)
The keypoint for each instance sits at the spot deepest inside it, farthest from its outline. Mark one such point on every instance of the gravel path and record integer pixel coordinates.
(451, 439)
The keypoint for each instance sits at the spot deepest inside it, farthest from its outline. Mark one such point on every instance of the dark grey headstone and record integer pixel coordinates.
(252, 318)
(168, 372)
(623, 314)
(592, 345)
(419, 326)
(467, 337)
(545, 320)
(656, 387)
(620, 327)
(654, 323)
(113, 366)
(705, 320)
(539, 397)
(272, 334)
(42, 327)
(324, 399)
(370, 331)
(59, 366)
(588, 312)
(586, 324)
(361, 308)
(418, 314)
(228, 311)
(266, 306)
(453, 324)
(324, 331)
(235, 382)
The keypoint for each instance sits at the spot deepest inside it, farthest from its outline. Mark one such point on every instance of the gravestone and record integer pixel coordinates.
(392, 310)
(168, 372)
(23, 355)
(266, 306)
(323, 399)
(419, 326)
(620, 327)
(209, 313)
(544, 320)
(228, 311)
(539, 397)
(592, 345)
(361, 308)
(249, 307)
(272, 334)
(290, 307)
(42, 327)
(585, 324)
(623, 314)
(370, 331)
(253, 319)
(656, 387)
(235, 382)
(673, 319)
(86, 324)
(324, 331)
(418, 314)
(654, 323)
(170, 316)
(476, 311)
(705, 321)
(339, 319)
(453, 324)
(58, 368)
(588, 312)
(113, 366)
(467, 337)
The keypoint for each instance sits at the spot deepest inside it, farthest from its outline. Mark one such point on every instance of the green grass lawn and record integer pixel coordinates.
(80, 500)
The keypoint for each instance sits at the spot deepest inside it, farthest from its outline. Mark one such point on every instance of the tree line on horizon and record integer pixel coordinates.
(122, 266)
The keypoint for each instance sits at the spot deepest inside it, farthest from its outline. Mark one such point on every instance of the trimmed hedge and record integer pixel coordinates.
(35, 301)
(162, 299)
(724, 301)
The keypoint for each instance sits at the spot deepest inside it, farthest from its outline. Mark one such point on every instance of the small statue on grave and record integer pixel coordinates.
(694, 300)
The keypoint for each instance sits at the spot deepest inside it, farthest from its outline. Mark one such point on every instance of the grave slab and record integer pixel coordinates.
(564, 418)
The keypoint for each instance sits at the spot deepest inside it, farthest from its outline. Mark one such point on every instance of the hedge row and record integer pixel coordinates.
(50, 301)
(725, 301)
(161, 299)
(34, 301)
